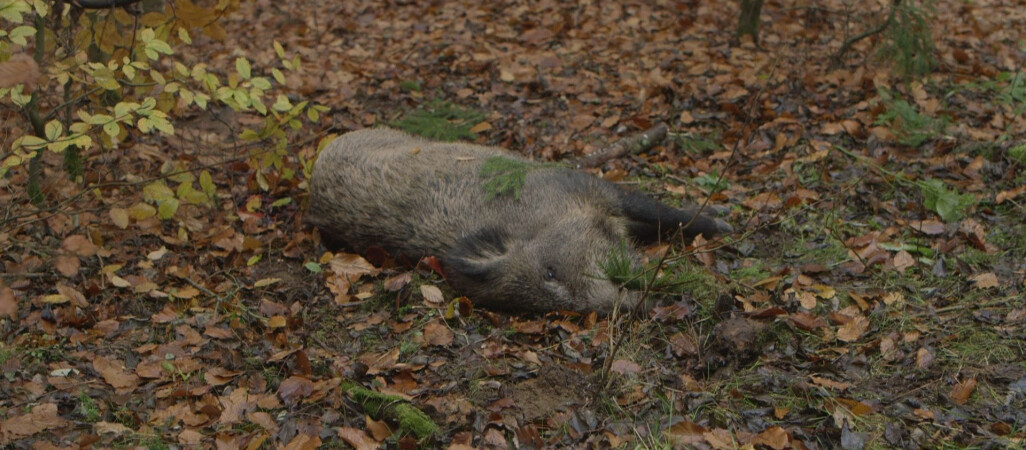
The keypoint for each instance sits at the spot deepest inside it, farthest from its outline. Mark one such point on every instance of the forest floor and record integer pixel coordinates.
(872, 295)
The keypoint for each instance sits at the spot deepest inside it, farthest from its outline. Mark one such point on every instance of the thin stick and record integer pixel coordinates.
(629, 145)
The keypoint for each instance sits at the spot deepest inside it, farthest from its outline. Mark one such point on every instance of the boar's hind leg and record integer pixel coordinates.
(650, 221)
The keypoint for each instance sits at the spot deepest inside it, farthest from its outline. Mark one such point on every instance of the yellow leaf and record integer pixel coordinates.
(276, 322)
(56, 299)
(119, 216)
(140, 211)
(266, 282)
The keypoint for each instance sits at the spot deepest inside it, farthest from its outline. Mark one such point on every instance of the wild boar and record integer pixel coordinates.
(536, 243)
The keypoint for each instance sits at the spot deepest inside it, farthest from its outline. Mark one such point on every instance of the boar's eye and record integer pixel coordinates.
(550, 273)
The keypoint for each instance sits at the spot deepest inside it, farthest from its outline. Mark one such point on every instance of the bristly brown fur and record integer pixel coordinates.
(541, 250)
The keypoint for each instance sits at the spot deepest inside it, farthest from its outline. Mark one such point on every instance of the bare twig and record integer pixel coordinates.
(102, 4)
(631, 144)
(838, 57)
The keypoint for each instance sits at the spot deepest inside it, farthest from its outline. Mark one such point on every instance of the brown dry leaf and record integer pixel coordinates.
(294, 389)
(624, 367)
(304, 442)
(854, 329)
(923, 358)
(19, 69)
(397, 282)
(1010, 194)
(766, 201)
(347, 268)
(8, 305)
(67, 265)
(984, 280)
(929, 227)
(961, 392)
(481, 127)
(235, 406)
(436, 333)
(356, 438)
(111, 428)
(432, 295)
(686, 433)
(42, 417)
(115, 374)
(806, 321)
(720, 439)
(217, 376)
(379, 429)
(903, 260)
(856, 407)
(264, 420)
(79, 245)
(807, 300)
(683, 345)
(773, 437)
(839, 385)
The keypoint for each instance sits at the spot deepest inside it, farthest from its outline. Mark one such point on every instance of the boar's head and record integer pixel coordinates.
(557, 265)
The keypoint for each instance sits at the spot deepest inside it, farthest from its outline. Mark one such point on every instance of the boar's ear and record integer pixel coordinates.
(478, 256)
(650, 220)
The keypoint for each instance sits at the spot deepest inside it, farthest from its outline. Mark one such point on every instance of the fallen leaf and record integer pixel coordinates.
(481, 127)
(432, 295)
(773, 437)
(436, 333)
(929, 227)
(825, 382)
(923, 358)
(79, 245)
(8, 305)
(305, 442)
(111, 428)
(356, 438)
(961, 392)
(21, 68)
(766, 201)
(378, 428)
(984, 280)
(903, 260)
(67, 265)
(42, 417)
(115, 373)
(276, 322)
(119, 217)
(624, 367)
(294, 389)
(854, 329)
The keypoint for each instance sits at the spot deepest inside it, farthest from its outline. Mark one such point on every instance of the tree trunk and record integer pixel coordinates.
(748, 20)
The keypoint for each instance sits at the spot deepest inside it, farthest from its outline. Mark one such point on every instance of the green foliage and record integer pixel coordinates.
(441, 120)
(121, 81)
(677, 275)
(908, 42)
(1018, 153)
(410, 86)
(698, 144)
(712, 181)
(1014, 93)
(949, 205)
(504, 176)
(911, 127)
(87, 408)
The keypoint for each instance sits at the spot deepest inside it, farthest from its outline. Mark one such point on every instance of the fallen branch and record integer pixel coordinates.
(629, 145)
(394, 409)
